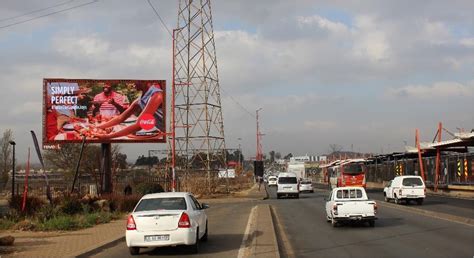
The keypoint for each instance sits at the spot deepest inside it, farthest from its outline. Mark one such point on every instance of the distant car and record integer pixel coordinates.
(405, 188)
(306, 186)
(346, 204)
(166, 219)
(272, 180)
(288, 185)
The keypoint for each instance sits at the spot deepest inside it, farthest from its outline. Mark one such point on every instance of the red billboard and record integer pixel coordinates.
(104, 111)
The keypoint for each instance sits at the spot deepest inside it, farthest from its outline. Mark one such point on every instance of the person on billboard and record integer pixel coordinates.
(109, 103)
(150, 109)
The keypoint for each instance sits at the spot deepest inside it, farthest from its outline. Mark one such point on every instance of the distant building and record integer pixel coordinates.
(307, 158)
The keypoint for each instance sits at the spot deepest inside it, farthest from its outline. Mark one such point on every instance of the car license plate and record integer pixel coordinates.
(157, 238)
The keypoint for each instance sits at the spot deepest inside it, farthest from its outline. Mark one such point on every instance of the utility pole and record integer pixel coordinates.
(259, 154)
(13, 143)
(240, 153)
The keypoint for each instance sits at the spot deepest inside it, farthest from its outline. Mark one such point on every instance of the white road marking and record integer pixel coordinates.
(244, 250)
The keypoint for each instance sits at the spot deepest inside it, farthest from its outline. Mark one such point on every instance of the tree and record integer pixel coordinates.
(5, 156)
(66, 158)
(278, 155)
(272, 156)
(334, 148)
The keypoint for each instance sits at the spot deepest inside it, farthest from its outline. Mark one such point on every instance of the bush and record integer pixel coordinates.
(122, 203)
(25, 225)
(128, 203)
(33, 204)
(148, 188)
(71, 205)
(6, 224)
(47, 212)
(60, 223)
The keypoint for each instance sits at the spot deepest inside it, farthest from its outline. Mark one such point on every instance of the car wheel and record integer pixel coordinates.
(372, 223)
(312, 191)
(278, 196)
(134, 250)
(297, 196)
(386, 198)
(328, 219)
(195, 247)
(419, 201)
(204, 238)
(397, 201)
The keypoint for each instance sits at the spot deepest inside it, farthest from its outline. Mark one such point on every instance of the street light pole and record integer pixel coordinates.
(13, 168)
(259, 147)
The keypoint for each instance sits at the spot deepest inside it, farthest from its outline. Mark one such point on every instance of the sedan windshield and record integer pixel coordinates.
(174, 203)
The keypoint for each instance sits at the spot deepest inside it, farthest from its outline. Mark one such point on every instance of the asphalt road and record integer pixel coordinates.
(227, 223)
(397, 233)
(436, 203)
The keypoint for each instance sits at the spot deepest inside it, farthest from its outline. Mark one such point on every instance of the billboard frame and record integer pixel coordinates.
(48, 142)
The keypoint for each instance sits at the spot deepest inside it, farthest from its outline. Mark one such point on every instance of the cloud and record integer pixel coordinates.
(322, 23)
(81, 47)
(370, 40)
(435, 91)
(316, 125)
(467, 42)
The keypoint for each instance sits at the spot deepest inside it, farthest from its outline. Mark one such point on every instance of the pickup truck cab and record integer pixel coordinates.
(405, 188)
(346, 204)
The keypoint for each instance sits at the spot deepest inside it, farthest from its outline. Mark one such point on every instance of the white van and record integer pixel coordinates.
(405, 188)
(288, 185)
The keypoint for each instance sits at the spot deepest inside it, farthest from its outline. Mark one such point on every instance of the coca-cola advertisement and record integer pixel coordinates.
(103, 111)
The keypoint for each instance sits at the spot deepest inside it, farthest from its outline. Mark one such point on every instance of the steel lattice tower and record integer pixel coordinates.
(196, 102)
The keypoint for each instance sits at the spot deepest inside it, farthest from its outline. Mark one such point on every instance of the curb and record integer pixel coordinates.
(266, 247)
(98, 248)
(260, 238)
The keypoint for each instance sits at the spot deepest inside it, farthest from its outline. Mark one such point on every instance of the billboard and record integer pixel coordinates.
(104, 111)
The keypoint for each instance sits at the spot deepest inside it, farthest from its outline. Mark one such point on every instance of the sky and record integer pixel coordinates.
(360, 74)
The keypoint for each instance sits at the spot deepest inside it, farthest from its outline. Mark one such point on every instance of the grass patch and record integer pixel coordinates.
(6, 224)
(63, 222)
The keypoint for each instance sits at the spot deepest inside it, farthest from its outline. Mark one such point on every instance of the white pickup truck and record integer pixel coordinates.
(347, 204)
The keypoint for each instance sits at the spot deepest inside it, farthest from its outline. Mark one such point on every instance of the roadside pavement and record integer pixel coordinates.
(87, 241)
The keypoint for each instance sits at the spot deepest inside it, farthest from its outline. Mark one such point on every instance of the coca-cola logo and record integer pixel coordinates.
(146, 121)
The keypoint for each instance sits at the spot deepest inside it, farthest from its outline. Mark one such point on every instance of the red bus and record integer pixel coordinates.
(350, 172)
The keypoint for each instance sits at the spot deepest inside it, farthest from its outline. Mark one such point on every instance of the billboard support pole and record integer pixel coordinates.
(107, 157)
(76, 174)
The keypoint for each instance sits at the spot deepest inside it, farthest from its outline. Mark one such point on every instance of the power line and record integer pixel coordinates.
(159, 17)
(48, 14)
(240, 105)
(35, 11)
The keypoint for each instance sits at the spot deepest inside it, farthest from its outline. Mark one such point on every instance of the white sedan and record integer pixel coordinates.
(272, 180)
(166, 219)
(306, 186)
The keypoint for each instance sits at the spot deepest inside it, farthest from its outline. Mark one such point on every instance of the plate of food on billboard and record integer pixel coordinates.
(103, 111)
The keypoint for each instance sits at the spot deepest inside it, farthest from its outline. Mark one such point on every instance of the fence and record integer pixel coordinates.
(87, 185)
(457, 169)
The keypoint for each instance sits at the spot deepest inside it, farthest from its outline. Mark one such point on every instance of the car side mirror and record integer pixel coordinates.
(204, 206)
